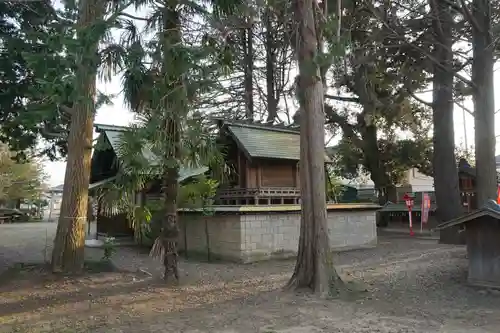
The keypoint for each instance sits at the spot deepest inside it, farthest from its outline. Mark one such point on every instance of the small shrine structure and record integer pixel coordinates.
(467, 185)
(265, 163)
(397, 212)
(105, 164)
(482, 231)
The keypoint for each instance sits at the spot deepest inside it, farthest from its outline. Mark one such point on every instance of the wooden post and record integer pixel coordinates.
(259, 176)
(185, 239)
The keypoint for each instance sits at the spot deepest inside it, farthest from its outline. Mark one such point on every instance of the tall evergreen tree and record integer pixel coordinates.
(483, 94)
(28, 114)
(314, 269)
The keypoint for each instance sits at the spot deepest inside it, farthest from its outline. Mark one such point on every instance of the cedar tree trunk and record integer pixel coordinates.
(484, 102)
(314, 269)
(445, 169)
(247, 41)
(68, 252)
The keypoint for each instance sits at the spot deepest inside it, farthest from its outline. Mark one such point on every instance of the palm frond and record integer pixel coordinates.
(129, 31)
(112, 61)
(137, 83)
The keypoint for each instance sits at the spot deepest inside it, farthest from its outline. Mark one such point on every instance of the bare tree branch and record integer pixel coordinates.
(469, 111)
(342, 98)
(425, 53)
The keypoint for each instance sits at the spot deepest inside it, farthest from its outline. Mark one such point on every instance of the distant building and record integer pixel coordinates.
(54, 195)
(418, 181)
(413, 180)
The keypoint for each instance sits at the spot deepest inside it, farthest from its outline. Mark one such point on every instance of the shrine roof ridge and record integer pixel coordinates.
(262, 125)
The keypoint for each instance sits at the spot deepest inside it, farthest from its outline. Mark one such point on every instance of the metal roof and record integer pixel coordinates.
(115, 139)
(267, 141)
(114, 136)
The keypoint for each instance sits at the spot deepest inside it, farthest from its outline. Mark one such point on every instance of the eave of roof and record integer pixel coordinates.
(113, 133)
(99, 128)
(470, 217)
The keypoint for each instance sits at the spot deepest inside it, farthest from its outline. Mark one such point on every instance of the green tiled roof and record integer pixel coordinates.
(114, 136)
(267, 141)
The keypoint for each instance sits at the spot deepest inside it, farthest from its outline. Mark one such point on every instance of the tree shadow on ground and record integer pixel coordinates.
(125, 285)
(89, 294)
(149, 297)
(35, 275)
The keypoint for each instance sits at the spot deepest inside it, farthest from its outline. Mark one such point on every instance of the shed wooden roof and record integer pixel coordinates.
(259, 140)
(490, 209)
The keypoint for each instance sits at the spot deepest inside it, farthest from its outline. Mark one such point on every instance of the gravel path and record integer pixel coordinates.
(413, 292)
(414, 285)
(25, 242)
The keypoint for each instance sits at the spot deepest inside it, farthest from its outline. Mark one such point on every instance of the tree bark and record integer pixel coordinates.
(314, 269)
(378, 171)
(484, 101)
(247, 35)
(272, 100)
(174, 105)
(444, 165)
(69, 243)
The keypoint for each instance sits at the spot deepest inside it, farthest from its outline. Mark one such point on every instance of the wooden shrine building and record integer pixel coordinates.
(482, 231)
(398, 212)
(467, 185)
(265, 163)
(263, 159)
(105, 164)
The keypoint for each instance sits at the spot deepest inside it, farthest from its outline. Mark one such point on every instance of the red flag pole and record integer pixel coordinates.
(409, 203)
(422, 209)
(411, 224)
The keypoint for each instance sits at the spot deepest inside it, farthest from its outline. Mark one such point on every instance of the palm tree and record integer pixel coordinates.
(161, 84)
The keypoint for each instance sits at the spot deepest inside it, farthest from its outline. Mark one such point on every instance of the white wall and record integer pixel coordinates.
(419, 182)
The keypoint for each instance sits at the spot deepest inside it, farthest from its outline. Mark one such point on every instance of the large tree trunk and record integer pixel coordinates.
(270, 45)
(247, 40)
(444, 164)
(174, 107)
(314, 269)
(378, 171)
(68, 252)
(484, 101)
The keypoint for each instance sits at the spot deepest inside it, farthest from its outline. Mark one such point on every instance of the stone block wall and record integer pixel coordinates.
(255, 236)
(271, 235)
(352, 229)
(224, 236)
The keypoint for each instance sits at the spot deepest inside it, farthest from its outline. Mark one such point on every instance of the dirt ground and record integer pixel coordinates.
(414, 285)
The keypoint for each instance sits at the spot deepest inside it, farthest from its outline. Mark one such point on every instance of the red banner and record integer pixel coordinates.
(426, 207)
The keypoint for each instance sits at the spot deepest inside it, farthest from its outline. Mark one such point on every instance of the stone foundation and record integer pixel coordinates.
(254, 233)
